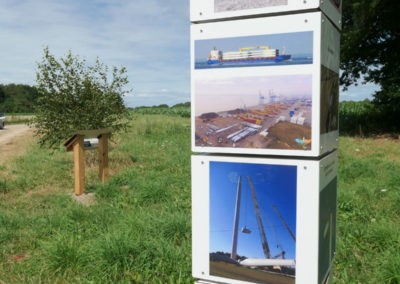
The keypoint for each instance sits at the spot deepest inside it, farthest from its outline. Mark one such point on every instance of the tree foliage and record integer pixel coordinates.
(2, 96)
(76, 96)
(370, 49)
(17, 98)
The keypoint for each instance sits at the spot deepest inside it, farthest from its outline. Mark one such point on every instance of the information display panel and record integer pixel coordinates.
(265, 86)
(209, 10)
(263, 220)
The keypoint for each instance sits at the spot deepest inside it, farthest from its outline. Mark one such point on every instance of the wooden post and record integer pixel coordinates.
(103, 156)
(79, 166)
(76, 144)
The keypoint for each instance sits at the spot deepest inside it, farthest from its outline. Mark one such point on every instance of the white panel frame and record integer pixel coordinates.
(203, 10)
(312, 176)
(314, 22)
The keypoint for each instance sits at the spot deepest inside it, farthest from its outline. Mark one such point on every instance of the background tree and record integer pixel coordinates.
(371, 50)
(17, 98)
(75, 96)
(2, 97)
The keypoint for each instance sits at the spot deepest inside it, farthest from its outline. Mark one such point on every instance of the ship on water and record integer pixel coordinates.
(263, 53)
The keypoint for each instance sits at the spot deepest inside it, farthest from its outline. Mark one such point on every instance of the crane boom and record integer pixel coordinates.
(264, 241)
(284, 223)
(236, 219)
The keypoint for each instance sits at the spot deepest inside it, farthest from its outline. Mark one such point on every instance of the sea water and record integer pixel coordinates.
(295, 60)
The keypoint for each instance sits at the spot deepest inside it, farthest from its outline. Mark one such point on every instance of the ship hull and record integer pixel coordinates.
(278, 58)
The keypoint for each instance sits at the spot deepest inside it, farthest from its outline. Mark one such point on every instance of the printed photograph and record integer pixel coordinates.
(337, 3)
(258, 50)
(253, 222)
(269, 112)
(234, 5)
(327, 231)
(329, 100)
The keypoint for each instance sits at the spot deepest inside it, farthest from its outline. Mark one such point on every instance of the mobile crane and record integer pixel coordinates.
(278, 260)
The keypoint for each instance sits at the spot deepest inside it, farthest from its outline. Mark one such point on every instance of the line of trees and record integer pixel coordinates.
(17, 98)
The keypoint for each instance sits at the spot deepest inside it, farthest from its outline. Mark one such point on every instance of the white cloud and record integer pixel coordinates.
(149, 37)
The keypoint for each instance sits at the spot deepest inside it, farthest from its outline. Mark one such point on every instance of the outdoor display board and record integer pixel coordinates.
(206, 10)
(260, 220)
(265, 86)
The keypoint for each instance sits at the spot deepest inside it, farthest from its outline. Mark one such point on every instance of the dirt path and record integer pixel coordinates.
(13, 140)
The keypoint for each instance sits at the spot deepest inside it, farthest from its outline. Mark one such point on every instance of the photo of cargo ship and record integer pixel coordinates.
(254, 51)
(263, 53)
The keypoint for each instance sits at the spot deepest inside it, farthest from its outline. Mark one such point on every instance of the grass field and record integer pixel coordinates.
(368, 211)
(13, 118)
(139, 231)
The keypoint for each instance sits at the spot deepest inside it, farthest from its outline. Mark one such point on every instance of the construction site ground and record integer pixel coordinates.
(275, 131)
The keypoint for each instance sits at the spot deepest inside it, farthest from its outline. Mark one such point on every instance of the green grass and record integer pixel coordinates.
(139, 230)
(368, 211)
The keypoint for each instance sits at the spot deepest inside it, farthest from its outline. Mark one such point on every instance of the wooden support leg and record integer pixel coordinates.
(79, 167)
(103, 157)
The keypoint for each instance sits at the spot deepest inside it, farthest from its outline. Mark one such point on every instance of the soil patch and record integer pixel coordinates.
(14, 140)
(283, 135)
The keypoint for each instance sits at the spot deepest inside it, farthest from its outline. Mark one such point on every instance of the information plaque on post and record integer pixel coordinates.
(258, 220)
(264, 98)
(265, 86)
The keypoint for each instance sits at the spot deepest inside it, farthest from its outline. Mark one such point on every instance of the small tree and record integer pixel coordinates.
(76, 96)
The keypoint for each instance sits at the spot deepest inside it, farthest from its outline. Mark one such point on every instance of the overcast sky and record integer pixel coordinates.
(148, 37)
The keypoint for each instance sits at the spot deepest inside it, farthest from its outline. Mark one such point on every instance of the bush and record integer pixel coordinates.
(76, 96)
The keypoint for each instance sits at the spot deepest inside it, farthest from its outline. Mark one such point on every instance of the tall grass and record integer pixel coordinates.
(366, 119)
(14, 118)
(368, 211)
(182, 110)
(138, 230)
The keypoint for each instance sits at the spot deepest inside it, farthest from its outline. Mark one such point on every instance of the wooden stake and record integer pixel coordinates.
(103, 156)
(79, 166)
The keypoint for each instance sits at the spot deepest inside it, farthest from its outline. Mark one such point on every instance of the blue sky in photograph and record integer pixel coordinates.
(274, 185)
(151, 38)
(294, 43)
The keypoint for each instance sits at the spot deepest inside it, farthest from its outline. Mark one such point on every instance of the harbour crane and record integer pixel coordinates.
(284, 223)
(260, 224)
(276, 261)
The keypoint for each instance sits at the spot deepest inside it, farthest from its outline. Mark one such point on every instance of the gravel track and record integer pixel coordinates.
(12, 140)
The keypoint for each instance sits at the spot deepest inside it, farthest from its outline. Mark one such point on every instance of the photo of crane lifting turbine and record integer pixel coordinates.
(253, 221)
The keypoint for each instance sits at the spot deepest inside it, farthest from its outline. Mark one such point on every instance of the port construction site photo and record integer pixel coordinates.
(266, 112)
(253, 222)
(233, 5)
